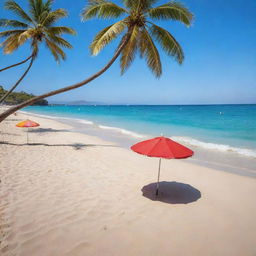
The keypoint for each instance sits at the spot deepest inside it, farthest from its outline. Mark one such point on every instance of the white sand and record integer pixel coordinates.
(74, 194)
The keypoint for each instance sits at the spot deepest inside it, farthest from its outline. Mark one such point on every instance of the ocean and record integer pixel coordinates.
(223, 128)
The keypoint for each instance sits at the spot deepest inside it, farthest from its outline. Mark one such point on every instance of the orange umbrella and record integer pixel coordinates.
(27, 124)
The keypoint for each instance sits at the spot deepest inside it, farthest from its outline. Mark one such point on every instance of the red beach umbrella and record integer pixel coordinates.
(27, 124)
(163, 148)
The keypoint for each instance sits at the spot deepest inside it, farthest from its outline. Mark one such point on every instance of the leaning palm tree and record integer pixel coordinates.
(37, 26)
(138, 32)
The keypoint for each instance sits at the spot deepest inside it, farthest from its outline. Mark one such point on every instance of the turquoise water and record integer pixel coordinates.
(222, 127)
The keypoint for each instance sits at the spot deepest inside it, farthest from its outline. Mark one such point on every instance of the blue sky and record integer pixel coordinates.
(219, 66)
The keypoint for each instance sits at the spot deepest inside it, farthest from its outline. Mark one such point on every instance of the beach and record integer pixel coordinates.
(70, 193)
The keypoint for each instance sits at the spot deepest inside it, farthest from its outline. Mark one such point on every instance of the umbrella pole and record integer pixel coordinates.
(27, 135)
(157, 186)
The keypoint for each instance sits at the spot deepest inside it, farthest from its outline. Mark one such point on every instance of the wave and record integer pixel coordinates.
(42, 115)
(82, 121)
(123, 131)
(213, 146)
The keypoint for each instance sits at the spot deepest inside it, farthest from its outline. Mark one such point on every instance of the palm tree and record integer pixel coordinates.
(37, 26)
(139, 33)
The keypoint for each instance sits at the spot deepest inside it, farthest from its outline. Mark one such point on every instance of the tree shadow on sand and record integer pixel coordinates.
(76, 146)
(42, 130)
(12, 119)
(9, 134)
(171, 192)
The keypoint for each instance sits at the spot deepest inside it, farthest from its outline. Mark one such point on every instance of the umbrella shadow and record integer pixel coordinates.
(171, 192)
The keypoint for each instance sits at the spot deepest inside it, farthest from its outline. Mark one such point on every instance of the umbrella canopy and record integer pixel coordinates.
(162, 147)
(27, 124)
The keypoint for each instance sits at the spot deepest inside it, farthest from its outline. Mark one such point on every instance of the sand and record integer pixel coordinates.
(72, 194)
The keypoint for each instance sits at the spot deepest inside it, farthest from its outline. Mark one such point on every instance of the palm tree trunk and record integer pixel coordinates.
(68, 88)
(18, 82)
(17, 64)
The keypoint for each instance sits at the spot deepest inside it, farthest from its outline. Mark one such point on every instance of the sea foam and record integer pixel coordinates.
(82, 121)
(123, 131)
(213, 146)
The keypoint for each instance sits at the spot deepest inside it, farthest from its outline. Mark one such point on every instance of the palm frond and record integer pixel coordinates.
(12, 23)
(144, 5)
(61, 30)
(131, 4)
(149, 51)
(53, 16)
(172, 10)
(129, 52)
(60, 41)
(41, 17)
(106, 35)
(55, 50)
(25, 36)
(168, 42)
(11, 44)
(39, 9)
(141, 5)
(11, 32)
(102, 9)
(48, 5)
(13, 6)
(32, 9)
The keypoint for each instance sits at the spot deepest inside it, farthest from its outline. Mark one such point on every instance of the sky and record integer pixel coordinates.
(219, 65)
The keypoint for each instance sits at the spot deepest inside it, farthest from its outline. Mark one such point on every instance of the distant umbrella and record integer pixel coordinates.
(27, 124)
(163, 148)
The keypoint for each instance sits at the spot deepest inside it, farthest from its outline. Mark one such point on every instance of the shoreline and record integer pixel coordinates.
(226, 161)
(189, 133)
(73, 194)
